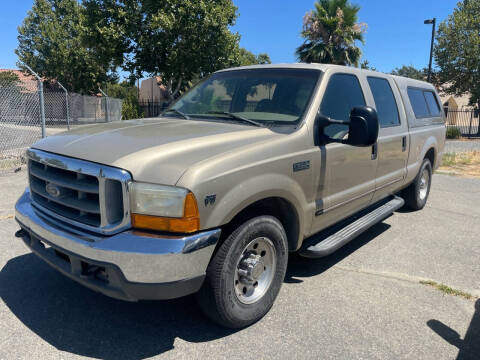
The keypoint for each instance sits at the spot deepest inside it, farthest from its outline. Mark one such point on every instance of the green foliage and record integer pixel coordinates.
(8, 78)
(246, 58)
(263, 58)
(123, 90)
(410, 72)
(129, 94)
(331, 32)
(453, 132)
(457, 51)
(130, 110)
(366, 65)
(52, 42)
(177, 40)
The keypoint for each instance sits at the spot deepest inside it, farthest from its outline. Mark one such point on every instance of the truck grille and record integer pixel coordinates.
(79, 192)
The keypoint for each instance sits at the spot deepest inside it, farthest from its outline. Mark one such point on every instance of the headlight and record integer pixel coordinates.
(163, 208)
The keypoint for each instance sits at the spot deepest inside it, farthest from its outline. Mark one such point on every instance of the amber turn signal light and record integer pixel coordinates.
(189, 223)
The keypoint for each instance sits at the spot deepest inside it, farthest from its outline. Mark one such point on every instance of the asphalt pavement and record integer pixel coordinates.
(363, 302)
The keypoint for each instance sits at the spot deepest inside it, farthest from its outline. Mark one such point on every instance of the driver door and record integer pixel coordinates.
(347, 180)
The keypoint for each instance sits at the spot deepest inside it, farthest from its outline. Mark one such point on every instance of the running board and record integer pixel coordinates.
(322, 245)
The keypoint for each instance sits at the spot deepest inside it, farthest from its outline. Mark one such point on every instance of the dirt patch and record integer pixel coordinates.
(462, 163)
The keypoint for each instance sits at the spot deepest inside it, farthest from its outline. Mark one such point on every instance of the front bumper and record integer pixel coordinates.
(131, 265)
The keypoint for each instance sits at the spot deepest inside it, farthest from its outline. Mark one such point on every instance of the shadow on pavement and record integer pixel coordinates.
(299, 267)
(77, 320)
(469, 346)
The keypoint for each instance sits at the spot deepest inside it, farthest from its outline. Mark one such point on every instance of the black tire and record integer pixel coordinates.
(218, 298)
(415, 198)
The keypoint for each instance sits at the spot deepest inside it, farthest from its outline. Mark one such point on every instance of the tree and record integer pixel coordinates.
(176, 40)
(51, 41)
(12, 84)
(128, 92)
(246, 58)
(263, 58)
(410, 72)
(9, 78)
(366, 65)
(457, 51)
(331, 32)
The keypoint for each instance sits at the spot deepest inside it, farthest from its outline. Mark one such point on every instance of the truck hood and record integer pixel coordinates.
(156, 150)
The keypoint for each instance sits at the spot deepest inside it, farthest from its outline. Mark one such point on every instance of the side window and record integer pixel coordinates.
(385, 103)
(343, 93)
(432, 103)
(418, 102)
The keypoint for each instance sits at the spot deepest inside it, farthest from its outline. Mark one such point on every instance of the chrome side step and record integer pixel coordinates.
(322, 245)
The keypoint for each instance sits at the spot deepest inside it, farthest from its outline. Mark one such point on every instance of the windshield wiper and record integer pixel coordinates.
(182, 114)
(237, 117)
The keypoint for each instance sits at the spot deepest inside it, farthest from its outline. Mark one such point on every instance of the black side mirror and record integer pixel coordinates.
(363, 127)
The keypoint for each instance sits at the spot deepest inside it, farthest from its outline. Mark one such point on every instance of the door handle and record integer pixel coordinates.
(374, 151)
(404, 143)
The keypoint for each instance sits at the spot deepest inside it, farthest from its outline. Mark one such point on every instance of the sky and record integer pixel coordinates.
(395, 36)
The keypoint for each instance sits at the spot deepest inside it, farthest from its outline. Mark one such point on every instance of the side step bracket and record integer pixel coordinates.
(320, 246)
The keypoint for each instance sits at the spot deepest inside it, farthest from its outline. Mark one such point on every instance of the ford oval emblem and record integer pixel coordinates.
(52, 190)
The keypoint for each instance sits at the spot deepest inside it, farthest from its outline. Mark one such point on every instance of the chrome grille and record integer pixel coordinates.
(79, 192)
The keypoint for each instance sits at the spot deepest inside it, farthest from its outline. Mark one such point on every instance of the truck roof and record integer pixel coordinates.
(324, 67)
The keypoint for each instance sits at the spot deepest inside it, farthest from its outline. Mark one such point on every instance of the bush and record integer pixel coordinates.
(130, 110)
(453, 132)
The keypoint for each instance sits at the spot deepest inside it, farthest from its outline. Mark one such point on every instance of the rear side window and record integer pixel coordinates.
(343, 93)
(418, 102)
(385, 103)
(423, 102)
(432, 103)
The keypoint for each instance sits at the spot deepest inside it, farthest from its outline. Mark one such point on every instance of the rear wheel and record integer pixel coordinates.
(246, 273)
(416, 194)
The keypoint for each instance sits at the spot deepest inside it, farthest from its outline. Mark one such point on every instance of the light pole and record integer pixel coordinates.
(431, 21)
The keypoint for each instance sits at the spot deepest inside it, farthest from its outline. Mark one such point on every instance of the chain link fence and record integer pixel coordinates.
(21, 114)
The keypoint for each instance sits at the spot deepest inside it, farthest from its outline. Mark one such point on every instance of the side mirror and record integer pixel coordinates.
(362, 127)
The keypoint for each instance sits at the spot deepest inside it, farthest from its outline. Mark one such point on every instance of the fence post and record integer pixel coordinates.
(107, 115)
(66, 104)
(470, 127)
(40, 94)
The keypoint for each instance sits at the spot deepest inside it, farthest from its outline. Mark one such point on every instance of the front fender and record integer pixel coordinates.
(265, 186)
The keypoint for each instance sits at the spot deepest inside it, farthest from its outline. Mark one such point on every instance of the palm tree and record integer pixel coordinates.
(331, 32)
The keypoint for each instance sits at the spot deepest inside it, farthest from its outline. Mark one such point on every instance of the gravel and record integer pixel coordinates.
(462, 145)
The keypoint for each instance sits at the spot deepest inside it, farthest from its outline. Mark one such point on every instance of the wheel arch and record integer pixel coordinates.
(275, 206)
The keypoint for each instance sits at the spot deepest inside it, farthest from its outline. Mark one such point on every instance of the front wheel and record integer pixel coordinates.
(416, 194)
(246, 273)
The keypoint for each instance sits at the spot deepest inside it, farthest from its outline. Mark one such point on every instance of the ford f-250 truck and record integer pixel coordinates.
(210, 197)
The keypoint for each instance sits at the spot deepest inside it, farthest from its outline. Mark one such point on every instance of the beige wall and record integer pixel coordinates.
(151, 91)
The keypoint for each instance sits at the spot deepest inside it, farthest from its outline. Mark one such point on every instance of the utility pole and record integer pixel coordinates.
(431, 21)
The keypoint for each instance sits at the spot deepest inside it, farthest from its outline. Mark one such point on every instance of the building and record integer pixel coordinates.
(27, 83)
(150, 91)
(454, 102)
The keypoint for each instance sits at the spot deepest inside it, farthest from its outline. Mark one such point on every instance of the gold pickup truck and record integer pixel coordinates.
(248, 166)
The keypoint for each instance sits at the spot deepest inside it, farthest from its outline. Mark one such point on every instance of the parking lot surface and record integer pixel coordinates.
(363, 302)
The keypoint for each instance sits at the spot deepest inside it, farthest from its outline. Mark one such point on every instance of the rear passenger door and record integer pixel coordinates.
(393, 136)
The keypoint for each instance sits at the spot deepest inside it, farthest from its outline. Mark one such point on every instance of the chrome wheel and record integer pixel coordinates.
(424, 183)
(255, 270)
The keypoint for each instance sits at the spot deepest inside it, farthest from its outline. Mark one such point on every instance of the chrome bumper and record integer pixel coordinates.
(138, 257)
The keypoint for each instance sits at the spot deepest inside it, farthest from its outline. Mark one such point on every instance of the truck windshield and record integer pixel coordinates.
(261, 95)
